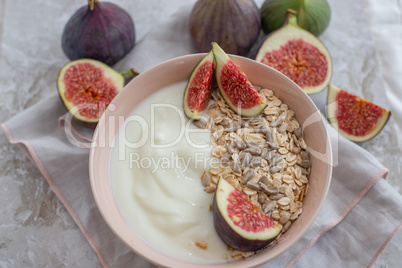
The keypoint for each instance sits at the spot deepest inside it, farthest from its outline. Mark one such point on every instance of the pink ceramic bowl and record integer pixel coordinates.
(179, 69)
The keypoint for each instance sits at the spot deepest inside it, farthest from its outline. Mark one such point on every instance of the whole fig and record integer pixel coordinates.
(312, 15)
(100, 30)
(233, 24)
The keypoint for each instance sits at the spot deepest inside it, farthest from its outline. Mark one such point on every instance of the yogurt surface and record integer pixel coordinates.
(155, 167)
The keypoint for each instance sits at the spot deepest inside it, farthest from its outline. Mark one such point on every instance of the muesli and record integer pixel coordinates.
(264, 157)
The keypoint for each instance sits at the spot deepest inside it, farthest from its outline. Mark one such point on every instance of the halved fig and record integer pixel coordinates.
(298, 54)
(87, 87)
(355, 118)
(236, 89)
(238, 222)
(199, 88)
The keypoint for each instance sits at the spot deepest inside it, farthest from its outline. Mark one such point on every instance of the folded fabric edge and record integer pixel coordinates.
(384, 245)
(29, 151)
(10, 139)
(382, 174)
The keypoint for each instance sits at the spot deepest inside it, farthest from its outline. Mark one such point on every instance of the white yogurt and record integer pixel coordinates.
(157, 186)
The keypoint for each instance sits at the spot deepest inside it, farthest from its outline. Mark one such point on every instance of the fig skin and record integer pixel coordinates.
(105, 33)
(313, 16)
(233, 24)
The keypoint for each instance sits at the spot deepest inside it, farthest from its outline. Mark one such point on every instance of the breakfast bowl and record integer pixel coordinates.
(115, 199)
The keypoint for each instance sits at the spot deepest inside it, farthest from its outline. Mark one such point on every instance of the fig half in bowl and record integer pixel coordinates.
(179, 70)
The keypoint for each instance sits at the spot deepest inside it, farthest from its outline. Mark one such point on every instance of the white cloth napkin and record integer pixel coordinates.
(361, 214)
(386, 31)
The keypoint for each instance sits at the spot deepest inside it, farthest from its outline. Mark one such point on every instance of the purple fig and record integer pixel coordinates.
(101, 31)
(233, 24)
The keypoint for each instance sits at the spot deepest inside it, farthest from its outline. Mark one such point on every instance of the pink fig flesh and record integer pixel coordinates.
(199, 88)
(355, 118)
(236, 89)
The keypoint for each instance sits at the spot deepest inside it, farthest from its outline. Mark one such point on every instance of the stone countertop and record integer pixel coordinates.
(36, 230)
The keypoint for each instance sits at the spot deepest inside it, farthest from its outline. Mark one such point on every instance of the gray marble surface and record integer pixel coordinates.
(35, 228)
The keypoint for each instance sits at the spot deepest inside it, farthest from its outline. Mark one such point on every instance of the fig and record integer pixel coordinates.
(298, 54)
(100, 30)
(239, 222)
(234, 24)
(234, 86)
(199, 88)
(313, 16)
(86, 87)
(355, 118)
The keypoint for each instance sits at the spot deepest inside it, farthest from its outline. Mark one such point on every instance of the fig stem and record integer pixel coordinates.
(91, 4)
(129, 75)
(291, 17)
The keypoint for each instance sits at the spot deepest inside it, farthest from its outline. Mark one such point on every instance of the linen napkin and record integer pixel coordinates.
(360, 216)
(386, 31)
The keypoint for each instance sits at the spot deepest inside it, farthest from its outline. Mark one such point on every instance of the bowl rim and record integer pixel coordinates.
(171, 261)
